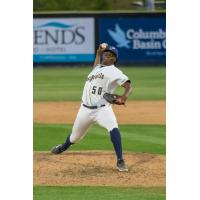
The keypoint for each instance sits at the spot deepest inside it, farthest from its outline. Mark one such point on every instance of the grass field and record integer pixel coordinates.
(97, 193)
(56, 84)
(135, 138)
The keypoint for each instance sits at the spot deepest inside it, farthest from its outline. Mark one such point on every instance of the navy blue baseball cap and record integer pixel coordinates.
(113, 50)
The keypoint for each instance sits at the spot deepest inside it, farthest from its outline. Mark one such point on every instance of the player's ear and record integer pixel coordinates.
(114, 59)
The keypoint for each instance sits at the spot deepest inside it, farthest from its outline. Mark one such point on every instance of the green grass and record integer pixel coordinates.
(135, 138)
(58, 84)
(97, 193)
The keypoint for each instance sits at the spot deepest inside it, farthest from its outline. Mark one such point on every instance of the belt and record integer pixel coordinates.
(93, 107)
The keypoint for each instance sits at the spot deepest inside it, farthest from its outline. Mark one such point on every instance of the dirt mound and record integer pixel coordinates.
(98, 168)
(135, 112)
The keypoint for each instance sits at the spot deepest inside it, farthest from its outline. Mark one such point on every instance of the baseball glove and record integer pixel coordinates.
(111, 98)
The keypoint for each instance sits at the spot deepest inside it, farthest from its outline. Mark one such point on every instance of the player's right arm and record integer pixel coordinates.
(98, 56)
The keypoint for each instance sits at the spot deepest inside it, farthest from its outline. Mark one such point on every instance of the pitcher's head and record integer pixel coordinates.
(110, 56)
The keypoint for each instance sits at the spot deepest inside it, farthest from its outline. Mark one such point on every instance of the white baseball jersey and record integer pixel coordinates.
(102, 79)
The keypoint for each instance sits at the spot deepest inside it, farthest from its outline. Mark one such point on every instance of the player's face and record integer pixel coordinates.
(108, 58)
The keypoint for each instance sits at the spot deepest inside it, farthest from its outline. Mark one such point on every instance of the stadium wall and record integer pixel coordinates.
(72, 38)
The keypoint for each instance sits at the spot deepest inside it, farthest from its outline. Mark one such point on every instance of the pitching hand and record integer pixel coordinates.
(101, 49)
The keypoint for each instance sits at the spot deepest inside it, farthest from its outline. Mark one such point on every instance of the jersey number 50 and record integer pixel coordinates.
(94, 90)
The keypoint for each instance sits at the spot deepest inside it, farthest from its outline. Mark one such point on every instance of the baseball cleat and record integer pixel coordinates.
(121, 166)
(57, 149)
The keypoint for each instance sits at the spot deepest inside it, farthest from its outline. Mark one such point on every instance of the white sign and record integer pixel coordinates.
(63, 39)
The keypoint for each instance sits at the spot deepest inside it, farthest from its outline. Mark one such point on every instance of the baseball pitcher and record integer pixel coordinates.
(97, 100)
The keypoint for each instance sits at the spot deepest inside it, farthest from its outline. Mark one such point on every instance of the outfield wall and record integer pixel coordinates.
(66, 38)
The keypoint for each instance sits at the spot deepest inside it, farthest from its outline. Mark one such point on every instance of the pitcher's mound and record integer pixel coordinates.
(99, 169)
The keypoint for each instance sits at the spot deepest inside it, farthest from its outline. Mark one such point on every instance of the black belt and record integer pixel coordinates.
(93, 107)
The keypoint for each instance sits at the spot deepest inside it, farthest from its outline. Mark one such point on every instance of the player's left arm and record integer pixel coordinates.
(127, 92)
(99, 53)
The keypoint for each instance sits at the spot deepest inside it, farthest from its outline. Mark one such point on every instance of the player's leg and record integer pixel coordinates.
(79, 130)
(107, 119)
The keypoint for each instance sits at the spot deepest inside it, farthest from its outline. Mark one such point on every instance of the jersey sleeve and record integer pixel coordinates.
(119, 77)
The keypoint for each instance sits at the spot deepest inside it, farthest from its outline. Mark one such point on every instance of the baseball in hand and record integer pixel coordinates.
(104, 45)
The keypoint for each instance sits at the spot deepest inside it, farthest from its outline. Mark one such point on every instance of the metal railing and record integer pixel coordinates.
(149, 5)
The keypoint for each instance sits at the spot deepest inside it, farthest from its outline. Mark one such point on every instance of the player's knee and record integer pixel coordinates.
(111, 126)
(114, 131)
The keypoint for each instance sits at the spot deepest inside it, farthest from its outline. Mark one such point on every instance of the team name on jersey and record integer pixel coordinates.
(90, 78)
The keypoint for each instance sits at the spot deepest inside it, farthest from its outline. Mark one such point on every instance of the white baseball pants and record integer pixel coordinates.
(104, 116)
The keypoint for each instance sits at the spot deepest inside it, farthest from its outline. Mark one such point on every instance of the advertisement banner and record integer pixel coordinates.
(139, 39)
(60, 40)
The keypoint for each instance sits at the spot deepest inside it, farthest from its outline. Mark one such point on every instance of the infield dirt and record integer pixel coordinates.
(98, 169)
